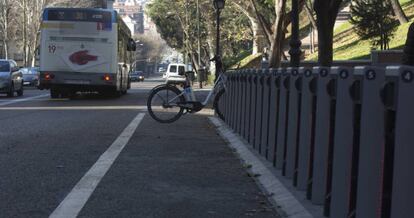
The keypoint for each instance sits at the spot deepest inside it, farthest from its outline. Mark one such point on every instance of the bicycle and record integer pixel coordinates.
(166, 103)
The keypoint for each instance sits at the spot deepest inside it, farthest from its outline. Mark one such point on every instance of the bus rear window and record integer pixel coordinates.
(78, 15)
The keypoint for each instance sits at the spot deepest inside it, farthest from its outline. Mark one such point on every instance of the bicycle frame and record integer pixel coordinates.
(188, 91)
(220, 82)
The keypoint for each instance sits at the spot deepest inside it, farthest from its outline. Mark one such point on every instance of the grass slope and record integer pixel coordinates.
(348, 46)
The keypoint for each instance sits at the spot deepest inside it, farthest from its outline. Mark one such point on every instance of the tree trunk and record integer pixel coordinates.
(276, 49)
(6, 38)
(259, 38)
(326, 13)
(35, 48)
(398, 11)
(266, 28)
(325, 40)
(276, 46)
(6, 49)
(25, 43)
(5, 13)
(211, 54)
(310, 16)
(212, 66)
(211, 46)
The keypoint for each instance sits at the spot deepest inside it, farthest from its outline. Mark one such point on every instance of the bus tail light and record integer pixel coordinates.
(49, 76)
(107, 78)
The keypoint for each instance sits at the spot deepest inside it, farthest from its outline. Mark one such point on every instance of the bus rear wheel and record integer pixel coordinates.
(54, 93)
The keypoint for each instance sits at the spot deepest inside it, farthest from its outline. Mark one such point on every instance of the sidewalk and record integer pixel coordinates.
(183, 169)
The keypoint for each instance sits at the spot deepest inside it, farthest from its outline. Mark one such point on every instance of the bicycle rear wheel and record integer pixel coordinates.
(218, 104)
(163, 103)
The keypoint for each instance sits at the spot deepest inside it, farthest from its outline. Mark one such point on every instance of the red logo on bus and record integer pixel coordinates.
(82, 57)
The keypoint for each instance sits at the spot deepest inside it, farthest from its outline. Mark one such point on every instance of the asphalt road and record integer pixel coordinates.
(51, 150)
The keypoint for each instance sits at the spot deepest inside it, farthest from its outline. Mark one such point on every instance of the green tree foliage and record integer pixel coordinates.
(164, 15)
(177, 24)
(372, 20)
(20, 22)
(236, 36)
(149, 47)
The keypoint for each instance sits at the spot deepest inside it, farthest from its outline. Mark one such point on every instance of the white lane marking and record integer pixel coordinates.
(281, 195)
(144, 108)
(22, 100)
(77, 198)
(39, 99)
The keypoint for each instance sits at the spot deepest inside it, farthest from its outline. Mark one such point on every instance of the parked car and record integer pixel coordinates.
(175, 73)
(137, 76)
(11, 79)
(30, 76)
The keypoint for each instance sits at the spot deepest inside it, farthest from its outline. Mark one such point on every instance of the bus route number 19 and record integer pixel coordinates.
(52, 49)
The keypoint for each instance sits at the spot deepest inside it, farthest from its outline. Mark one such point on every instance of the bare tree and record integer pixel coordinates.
(6, 17)
(276, 29)
(260, 41)
(31, 19)
(398, 11)
(310, 13)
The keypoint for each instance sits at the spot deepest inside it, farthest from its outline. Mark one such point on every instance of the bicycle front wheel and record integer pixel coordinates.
(219, 104)
(163, 103)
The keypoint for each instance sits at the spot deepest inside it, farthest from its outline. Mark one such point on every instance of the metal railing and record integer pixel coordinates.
(344, 136)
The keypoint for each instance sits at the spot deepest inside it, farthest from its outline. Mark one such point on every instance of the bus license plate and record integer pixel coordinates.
(78, 82)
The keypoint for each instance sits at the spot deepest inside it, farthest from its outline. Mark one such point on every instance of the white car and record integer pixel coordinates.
(173, 73)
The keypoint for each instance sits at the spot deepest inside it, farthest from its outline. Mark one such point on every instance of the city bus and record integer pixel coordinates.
(87, 50)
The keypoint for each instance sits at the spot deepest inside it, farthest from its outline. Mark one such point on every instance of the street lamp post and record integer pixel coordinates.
(218, 5)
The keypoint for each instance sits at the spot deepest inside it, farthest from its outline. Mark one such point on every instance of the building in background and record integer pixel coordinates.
(149, 26)
(139, 19)
(132, 12)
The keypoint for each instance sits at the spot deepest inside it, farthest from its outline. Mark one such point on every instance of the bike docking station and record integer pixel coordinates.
(292, 140)
(258, 110)
(324, 135)
(347, 135)
(264, 146)
(274, 99)
(339, 136)
(403, 178)
(230, 100)
(252, 106)
(238, 102)
(243, 114)
(283, 115)
(306, 129)
(248, 97)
